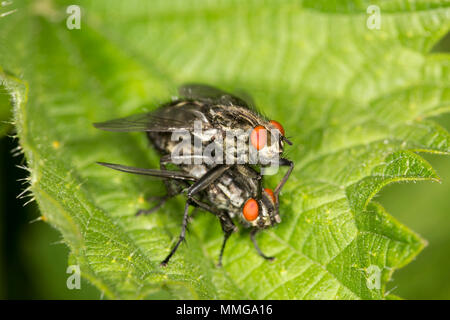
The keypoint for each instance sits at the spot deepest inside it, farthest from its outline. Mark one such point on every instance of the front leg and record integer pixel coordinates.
(283, 162)
(252, 236)
(208, 178)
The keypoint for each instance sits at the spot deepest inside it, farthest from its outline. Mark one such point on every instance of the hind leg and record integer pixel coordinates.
(226, 223)
(252, 237)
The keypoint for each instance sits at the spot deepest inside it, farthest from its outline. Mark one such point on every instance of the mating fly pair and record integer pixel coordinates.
(226, 190)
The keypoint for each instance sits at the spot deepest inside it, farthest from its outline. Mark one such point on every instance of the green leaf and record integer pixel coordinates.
(355, 101)
(5, 112)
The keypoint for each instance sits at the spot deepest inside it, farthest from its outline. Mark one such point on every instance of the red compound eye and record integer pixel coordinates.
(270, 193)
(258, 137)
(277, 125)
(250, 210)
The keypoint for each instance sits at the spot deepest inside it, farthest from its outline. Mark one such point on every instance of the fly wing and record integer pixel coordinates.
(204, 92)
(200, 91)
(140, 122)
(178, 175)
(175, 116)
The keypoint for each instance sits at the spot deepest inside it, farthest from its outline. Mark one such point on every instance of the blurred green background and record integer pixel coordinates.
(425, 208)
(33, 260)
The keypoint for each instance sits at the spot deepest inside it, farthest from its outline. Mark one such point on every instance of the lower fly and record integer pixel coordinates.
(236, 194)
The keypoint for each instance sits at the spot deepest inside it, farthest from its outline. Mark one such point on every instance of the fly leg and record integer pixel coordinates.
(195, 188)
(228, 228)
(226, 223)
(181, 236)
(252, 236)
(208, 178)
(283, 162)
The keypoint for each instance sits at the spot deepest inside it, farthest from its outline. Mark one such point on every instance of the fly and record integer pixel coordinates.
(217, 111)
(227, 190)
(235, 194)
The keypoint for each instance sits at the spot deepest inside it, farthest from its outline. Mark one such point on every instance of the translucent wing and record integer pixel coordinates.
(204, 92)
(139, 122)
(200, 91)
(178, 175)
(245, 96)
(173, 117)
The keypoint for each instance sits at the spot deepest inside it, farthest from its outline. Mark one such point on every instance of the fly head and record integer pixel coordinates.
(261, 213)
